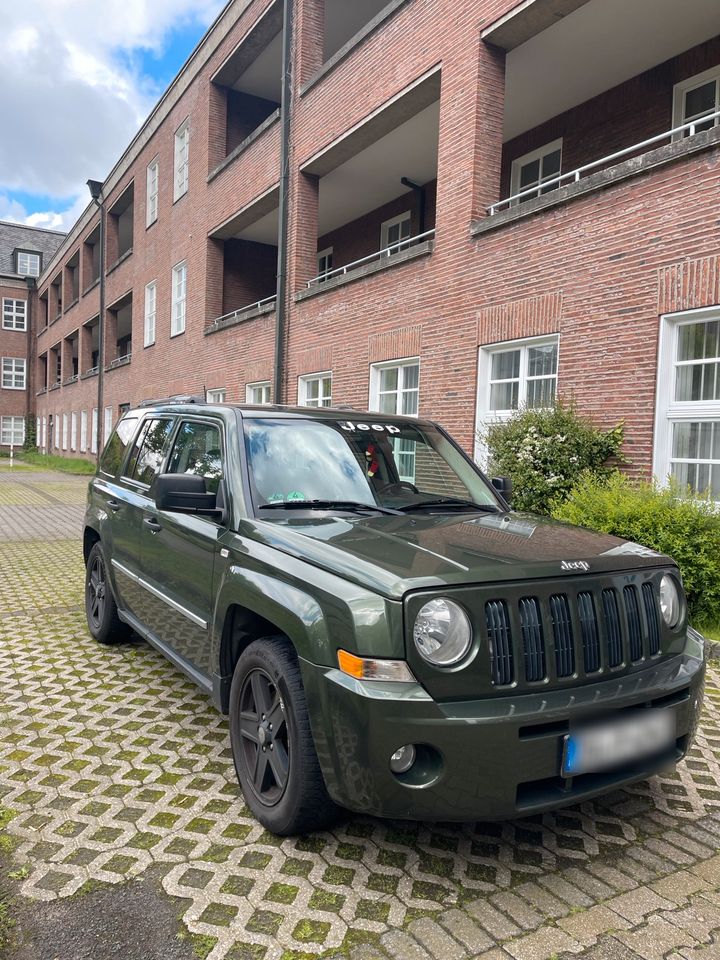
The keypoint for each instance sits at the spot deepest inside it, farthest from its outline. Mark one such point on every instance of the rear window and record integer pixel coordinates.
(114, 452)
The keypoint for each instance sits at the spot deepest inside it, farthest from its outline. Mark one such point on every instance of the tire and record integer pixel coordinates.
(273, 748)
(100, 609)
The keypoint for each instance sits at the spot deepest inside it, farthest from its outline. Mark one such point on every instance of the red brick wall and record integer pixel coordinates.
(244, 114)
(249, 274)
(13, 343)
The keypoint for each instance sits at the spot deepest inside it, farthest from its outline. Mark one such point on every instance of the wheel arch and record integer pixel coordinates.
(90, 538)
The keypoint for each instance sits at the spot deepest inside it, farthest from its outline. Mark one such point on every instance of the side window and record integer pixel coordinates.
(198, 450)
(147, 454)
(116, 446)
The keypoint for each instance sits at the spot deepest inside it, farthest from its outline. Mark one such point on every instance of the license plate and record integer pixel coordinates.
(618, 742)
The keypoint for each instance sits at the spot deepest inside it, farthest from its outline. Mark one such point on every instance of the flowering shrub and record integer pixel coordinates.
(544, 452)
(685, 528)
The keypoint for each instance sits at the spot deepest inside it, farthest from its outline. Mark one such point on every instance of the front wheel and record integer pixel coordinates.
(100, 608)
(272, 744)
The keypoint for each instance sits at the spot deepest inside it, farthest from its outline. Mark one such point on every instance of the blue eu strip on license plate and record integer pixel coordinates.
(618, 742)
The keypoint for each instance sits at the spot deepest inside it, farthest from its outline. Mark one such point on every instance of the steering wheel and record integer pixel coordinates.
(397, 487)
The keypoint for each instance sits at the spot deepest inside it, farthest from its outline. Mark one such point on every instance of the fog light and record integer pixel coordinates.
(403, 759)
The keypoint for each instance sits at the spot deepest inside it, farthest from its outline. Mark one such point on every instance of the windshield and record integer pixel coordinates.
(400, 465)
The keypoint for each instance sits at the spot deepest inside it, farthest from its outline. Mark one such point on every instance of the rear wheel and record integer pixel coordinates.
(100, 609)
(272, 745)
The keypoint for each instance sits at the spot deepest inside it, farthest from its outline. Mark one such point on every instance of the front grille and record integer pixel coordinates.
(572, 634)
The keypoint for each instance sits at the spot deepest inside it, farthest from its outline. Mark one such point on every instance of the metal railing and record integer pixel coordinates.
(378, 255)
(574, 175)
(120, 361)
(236, 313)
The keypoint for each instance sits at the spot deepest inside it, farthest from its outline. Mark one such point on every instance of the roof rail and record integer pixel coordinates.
(176, 398)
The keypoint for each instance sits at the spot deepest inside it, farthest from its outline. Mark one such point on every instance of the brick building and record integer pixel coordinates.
(23, 252)
(484, 203)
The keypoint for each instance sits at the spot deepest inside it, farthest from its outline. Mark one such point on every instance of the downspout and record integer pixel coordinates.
(420, 191)
(31, 352)
(283, 205)
(99, 201)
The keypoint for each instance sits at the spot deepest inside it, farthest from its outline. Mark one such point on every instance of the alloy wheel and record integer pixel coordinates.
(264, 736)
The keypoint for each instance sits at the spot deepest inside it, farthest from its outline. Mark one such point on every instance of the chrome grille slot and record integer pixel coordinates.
(589, 632)
(501, 652)
(563, 634)
(612, 627)
(632, 611)
(651, 616)
(532, 637)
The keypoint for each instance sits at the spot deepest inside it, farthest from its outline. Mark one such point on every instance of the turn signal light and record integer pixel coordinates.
(366, 668)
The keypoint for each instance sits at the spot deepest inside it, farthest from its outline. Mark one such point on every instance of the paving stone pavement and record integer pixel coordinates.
(112, 765)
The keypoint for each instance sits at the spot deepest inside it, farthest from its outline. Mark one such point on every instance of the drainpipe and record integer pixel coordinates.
(420, 191)
(283, 206)
(95, 187)
(31, 352)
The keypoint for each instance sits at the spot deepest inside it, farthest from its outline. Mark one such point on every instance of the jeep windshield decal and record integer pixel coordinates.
(365, 466)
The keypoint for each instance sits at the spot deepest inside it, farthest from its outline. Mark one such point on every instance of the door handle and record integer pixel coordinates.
(153, 524)
(114, 505)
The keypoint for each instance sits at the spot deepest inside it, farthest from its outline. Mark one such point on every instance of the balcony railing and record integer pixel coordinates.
(92, 372)
(371, 258)
(227, 318)
(552, 183)
(119, 361)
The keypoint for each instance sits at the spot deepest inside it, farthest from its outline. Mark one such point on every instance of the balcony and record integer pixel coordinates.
(245, 92)
(118, 333)
(376, 192)
(576, 120)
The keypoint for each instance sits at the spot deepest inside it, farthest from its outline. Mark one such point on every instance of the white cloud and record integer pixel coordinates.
(72, 94)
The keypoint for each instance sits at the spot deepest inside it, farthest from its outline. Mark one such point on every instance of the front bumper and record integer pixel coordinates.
(483, 759)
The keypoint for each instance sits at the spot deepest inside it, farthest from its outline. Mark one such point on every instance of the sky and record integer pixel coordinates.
(77, 80)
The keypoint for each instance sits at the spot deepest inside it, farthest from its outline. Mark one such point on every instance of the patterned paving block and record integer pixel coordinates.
(115, 763)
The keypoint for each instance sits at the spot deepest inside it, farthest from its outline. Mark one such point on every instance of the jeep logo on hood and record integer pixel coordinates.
(575, 565)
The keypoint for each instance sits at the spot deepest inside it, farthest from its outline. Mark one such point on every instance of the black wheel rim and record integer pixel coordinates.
(96, 588)
(264, 744)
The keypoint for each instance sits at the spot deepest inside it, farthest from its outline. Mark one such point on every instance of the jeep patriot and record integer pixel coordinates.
(385, 634)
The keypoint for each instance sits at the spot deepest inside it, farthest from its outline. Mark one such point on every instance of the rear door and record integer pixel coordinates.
(118, 512)
(178, 551)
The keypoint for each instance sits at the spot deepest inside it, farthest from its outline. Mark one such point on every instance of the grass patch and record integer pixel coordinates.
(711, 631)
(49, 461)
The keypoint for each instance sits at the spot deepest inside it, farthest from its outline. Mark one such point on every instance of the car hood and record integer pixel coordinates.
(392, 555)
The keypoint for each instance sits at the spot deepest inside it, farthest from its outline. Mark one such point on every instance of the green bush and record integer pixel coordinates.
(664, 519)
(544, 452)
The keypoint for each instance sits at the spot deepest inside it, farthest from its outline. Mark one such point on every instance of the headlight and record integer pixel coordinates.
(442, 632)
(670, 603)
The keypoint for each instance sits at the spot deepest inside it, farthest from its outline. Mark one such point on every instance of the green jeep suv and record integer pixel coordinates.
(385, 633)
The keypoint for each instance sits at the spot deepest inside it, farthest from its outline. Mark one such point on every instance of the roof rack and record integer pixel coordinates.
(176, 398)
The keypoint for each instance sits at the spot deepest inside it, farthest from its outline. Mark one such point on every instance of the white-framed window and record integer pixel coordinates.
(64, 431)
(217, 395)
(315, 390)
(83, 431)
(179, 296)
(395, 230)
(94, 431)
(153, 189)
(324, 261)
(150, 308)
(514, 375)
(182, 156)
(534, 169)
(107, 424)
(687, 426)
(43, 435)
(56, 430)
(695, 98)
(395, 388)
(13, 373)
(14, 314)
(259, 393)
(28, 264)
(12, 431)
(73, 430)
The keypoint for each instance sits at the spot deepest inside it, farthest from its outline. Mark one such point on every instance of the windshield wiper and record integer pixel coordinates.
(446, 502)
(349, 505)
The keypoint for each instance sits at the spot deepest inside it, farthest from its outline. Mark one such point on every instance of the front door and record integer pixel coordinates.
(178, 551)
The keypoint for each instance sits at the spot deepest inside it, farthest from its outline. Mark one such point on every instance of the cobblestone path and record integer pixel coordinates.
(113, 765)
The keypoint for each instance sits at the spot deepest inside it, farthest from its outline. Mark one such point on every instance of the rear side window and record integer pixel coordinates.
(114, 452)
(198, 449)
(146, 457)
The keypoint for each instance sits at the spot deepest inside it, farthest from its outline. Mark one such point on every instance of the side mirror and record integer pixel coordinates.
(503, 485)
(184, 493)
